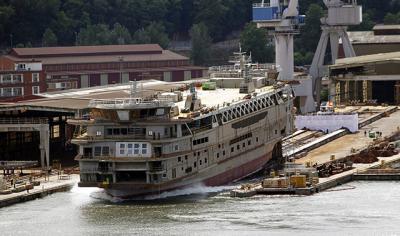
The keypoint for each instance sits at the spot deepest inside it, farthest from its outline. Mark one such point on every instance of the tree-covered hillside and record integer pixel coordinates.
(88, 22)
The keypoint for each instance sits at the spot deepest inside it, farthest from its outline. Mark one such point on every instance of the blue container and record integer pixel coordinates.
(265, 13)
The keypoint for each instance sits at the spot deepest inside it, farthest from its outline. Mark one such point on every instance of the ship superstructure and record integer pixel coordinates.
(194, 134)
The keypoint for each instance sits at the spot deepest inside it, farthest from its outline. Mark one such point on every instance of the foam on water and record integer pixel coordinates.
(191, 190)
(195, 189)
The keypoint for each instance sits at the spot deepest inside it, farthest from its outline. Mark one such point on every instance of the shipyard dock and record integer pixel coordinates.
(50, 185)
(313, 148)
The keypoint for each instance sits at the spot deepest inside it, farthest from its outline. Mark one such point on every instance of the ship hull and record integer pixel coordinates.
(227, 171)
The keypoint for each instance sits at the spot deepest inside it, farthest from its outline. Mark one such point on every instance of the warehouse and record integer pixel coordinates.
(26, 72)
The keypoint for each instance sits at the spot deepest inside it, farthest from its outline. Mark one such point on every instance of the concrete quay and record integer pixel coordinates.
(53, 185)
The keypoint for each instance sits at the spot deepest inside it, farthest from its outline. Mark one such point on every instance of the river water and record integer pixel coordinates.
(359, 208)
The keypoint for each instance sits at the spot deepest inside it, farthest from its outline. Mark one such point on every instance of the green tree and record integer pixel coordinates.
(311, 32)
(367, 23)
(201, 43)
(49, 39)
(154, 33)
(392, 19)
(120, 35)
(99, 34)
(212, 13)
(255, 41)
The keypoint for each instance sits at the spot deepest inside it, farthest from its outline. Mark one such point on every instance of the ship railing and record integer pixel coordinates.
(228, 68)
(28, 120)
(130, 102)
(201, 129)
(265, 4)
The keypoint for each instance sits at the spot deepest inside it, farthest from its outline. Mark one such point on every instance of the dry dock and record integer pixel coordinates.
(53, 185)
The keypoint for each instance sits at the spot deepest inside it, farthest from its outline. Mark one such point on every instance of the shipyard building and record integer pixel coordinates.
(26, 72)
(369, 79)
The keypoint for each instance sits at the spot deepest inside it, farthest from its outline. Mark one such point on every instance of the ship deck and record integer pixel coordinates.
(218, 98)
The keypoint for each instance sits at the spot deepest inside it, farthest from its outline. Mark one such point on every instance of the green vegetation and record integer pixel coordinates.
(201, 43)
(90, 22)
(254, 41)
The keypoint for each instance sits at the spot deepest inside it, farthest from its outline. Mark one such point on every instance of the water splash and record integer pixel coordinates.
(194, 189)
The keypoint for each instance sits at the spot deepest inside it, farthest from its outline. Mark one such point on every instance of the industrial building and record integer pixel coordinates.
(370, 79)
(26, 72)
(382, 39)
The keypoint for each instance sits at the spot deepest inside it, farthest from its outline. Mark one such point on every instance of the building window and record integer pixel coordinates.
(223, 152)
(18, 91)
(232, 149)
(217, 155)
(35, 77)
(257, 139)
(18, 79)
(195, 164)
(244, 145)
(249, 142)
(205, 160)
(201, 162)
(35, 90)
(179, 159)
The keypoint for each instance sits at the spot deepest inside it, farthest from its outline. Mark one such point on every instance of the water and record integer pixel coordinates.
(362, 208)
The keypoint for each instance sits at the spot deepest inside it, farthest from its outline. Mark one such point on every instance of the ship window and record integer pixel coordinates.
(106, 151)
(116, 131)
(97, 151)
(136, 149)
(130, 146)
(144, 148)
(122, 149)
(109, 131)
(124, 131)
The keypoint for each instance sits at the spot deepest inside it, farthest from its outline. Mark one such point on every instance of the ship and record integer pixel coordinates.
(210, 132)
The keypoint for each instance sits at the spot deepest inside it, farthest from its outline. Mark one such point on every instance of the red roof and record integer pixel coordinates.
(86, 50)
